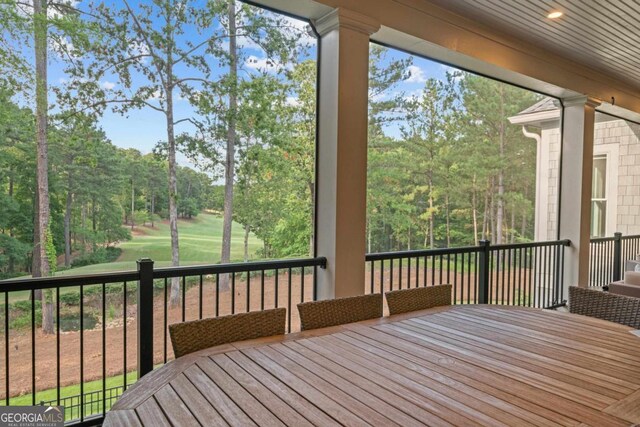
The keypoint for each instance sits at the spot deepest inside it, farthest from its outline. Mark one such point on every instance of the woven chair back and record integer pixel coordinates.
(188, 337)
(406, 300)
(320, 314)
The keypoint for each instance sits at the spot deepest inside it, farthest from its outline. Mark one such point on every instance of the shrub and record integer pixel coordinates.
(70, 298)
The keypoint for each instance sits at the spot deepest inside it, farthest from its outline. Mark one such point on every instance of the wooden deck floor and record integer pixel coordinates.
(464, 365)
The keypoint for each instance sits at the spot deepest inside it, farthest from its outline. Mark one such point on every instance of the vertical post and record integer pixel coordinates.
(483, 285)
(145, 317)
(617, 256)
(342, 151)
(575, 186)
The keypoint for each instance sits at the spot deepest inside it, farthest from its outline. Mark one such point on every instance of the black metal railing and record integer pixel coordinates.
(526, 274)
(91, 402)
(108, 325)
(608, 255)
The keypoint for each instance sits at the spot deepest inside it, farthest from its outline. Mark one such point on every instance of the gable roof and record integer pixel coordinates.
(544, 110)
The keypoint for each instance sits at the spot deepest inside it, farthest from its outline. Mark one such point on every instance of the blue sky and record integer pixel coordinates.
(143, 129)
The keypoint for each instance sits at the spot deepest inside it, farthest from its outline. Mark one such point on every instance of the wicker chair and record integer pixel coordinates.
(603, 305)
(188, 337)
(406, 300)
(320, 314)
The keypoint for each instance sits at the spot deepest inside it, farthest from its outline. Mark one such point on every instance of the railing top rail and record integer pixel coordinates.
(421, 253)
(239, 267)
(635, 236)
(33, 283)
(565, 242)
(22, 284)
(465, 249)
(602, 239)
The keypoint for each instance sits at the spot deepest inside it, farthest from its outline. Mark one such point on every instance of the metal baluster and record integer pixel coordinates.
(233, 293)
(261, 291)
(289, 301)
(6, 349)
(124, 336)
(165, 315)
(200, 299)
(33, 348)
(104, 348)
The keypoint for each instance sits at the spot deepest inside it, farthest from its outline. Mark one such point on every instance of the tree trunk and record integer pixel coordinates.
(474, 209)
(94, 225)
(431, 215)
(500, 201)
(67, 227)
(485, 219)
(492, 210)
(312, 191)
(246, 243)
(225, 255)
(83, 220)
(446, 204)
(133, 203)
(513, 226)
(40, 266)
(153, 206)
(368, 234)
(173, 192)
(11, 264)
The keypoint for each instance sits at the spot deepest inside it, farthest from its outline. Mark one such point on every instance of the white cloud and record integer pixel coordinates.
(265, 64)
(292, 101)
(245, 42)
(107, 85)
(416, 74)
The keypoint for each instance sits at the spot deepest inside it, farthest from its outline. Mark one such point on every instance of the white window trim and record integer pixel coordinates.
(611, 153)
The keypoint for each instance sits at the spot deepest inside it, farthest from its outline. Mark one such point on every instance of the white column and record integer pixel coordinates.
(575, 187)
(342, 151)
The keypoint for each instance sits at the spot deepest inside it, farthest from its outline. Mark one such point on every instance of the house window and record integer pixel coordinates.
(599, 197)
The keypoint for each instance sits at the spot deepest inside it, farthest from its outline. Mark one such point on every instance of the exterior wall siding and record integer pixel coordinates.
(617, 136)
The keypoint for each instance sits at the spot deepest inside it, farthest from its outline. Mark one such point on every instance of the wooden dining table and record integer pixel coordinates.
(460, 365)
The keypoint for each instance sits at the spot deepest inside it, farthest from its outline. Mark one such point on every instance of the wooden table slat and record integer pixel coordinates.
(466, 365)
(403, 388)
(217, 398)
(523, 389)
(402, 411)
(591, 347)
(151, 414)
(313, 395)
(537, 358)
(498, 366)
(560, 326)
(174, 408)
(266, 397)
(303, 406)
(537, 409)
(198, 404)
(479, 405)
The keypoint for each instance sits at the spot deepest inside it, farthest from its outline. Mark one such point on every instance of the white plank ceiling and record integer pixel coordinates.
(602, 34)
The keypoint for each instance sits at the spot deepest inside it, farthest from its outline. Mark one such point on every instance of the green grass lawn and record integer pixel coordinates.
(200, 242)
(74, 390)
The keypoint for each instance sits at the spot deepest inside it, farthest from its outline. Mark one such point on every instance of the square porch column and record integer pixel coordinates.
(342, 151)
(575, 186)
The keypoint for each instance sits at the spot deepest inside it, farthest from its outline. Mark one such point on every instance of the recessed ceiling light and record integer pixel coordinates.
(554, 14)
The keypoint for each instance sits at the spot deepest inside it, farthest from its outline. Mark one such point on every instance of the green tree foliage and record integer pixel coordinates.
(458, 172)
